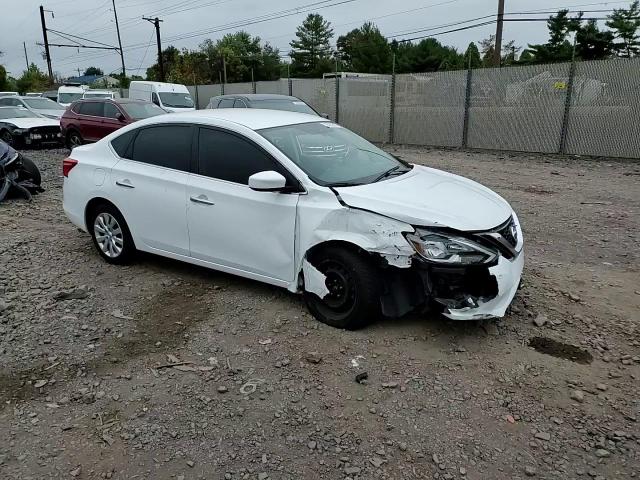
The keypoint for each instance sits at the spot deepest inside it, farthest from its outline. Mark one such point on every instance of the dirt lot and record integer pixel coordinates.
(87, 389)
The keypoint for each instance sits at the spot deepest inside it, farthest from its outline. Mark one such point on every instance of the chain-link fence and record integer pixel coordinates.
(586, 108)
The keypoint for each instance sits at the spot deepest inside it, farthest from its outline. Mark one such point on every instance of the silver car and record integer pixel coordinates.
(40, 105)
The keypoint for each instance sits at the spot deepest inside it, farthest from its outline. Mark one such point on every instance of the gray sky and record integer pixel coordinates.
(94, 19)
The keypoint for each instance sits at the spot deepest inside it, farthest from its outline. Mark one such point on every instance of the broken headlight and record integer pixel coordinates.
(449, 250)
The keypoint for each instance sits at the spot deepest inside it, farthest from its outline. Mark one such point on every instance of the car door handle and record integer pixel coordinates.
(202, 199)
(124, 183)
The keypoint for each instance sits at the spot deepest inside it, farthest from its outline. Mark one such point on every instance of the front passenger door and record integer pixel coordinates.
(229, 223)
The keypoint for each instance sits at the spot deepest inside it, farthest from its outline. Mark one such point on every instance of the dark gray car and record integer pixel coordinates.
(262, 100)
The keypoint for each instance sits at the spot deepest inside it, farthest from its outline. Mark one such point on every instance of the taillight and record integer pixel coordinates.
(67, 165)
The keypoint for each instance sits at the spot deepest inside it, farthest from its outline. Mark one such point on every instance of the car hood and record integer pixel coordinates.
(32, 122)
(49, 113)
(179, 109)
(429, 197)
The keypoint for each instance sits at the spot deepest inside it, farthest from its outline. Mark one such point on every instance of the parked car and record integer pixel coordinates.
(21, 127)
(42, 106)
(99, 94)
(33, 94)
(172, 97)
(67, 94)
(2, 94)
(297, 201)
(262, 100)
(90, 120)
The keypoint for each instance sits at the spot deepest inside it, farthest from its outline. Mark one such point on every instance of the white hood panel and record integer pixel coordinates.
(430, 197)
(32, 122)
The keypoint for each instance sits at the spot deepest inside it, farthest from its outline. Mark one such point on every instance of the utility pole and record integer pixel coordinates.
(115, 14)
(26, 57)
(498, 48)
(224, 68)
(156, 22)
(46, 43)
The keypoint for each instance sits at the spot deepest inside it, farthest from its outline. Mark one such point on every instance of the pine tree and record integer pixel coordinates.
(625, 23)
(311, 54)
(472, 56)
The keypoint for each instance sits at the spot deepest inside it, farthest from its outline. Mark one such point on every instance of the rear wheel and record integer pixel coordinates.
(32, 171)
(74, 139)
(353, 300)
(110, 234)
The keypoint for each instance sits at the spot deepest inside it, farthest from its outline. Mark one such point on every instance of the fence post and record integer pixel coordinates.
(197, 97)
(253, 83)
(467, 105)
(392, 108)
(337, 99)
(567, 108)
(290, 85)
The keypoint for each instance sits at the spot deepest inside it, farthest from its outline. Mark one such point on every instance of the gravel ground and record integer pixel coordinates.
(89, 386)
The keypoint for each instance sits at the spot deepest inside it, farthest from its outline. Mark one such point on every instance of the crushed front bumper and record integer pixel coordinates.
(507, 274)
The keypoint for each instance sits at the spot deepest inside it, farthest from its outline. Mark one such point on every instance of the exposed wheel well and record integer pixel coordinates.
(316, 249)
(93, 203)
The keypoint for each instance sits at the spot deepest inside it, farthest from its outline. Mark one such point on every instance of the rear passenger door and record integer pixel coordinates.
(90, 120)
(149, 185)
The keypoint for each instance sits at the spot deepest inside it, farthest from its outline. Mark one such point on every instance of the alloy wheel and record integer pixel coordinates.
(109, 236)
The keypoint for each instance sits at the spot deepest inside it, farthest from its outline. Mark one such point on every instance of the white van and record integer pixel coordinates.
(7, 94)
(67, 94)
(173, 97)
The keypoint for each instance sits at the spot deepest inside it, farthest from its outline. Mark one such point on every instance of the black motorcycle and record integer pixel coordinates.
(18, 174)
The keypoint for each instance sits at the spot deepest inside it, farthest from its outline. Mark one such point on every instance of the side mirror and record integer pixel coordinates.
(268, 181)
(325, 115)
(120, 117)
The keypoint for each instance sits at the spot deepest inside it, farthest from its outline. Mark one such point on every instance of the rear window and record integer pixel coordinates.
(122, 142)
(95, 109)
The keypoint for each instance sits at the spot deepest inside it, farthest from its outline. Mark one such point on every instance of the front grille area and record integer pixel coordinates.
(507, 231)
(49, 134)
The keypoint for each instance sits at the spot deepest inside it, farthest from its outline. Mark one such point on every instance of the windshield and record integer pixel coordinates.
(332, 155)
(288, 105)
(176, 100)
(98, 95)
(69, 97)
(142, 110)
(43, 104)
(10, 112)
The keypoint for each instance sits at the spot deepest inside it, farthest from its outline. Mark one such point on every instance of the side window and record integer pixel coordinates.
(110, 110)
(165, 146)
(155, 99)
(239, 104)
(226, 103)
(228, 157)
(121, 143)
(95, 109)
(5, 102)
(14, 102)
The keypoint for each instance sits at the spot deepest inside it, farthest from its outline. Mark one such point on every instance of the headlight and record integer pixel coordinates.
(18, 131)
(449, 250)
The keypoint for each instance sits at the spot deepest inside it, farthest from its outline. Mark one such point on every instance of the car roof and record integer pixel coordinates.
(259, 96)
(252, 118)
(110, 100)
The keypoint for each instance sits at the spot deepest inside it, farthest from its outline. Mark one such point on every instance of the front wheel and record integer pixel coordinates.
(6, 137)
(353, 300)
(111, 235)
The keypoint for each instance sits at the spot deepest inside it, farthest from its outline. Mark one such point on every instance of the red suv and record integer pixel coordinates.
(90, 120)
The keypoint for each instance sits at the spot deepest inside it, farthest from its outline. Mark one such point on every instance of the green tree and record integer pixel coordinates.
(593, 43)
(472, 56)
(93, 71)
(4, 82)
(169, 58)
(365, 50)
(311, 52)
(190, 67)
(625, 24)
(558, 48)
(32, 80)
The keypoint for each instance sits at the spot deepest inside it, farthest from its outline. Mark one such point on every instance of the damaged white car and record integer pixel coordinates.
(299, 202)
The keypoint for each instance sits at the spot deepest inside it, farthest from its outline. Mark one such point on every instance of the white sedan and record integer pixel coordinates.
(297, 201)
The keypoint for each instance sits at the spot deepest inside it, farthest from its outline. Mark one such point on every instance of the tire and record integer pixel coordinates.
(7, 138)
(32, 170)
(74, 139)
(105, 223)
(354, 298)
